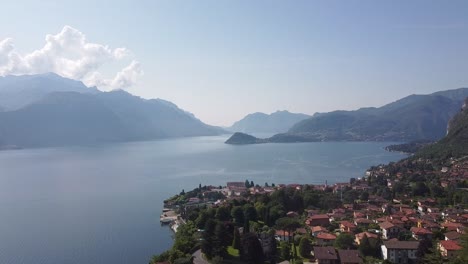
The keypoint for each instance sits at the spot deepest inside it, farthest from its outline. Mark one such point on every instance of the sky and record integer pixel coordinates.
(222, 60)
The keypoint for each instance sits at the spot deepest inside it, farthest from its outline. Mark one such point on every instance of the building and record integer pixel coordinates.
(389, 230)
(449, 248)
(315, 230)
(420, 233)
(325, 239)
(349, 256)
(399, 251)
(358, 237)
(347, 227)
(326, 255)
(319, 220)
(452, 235)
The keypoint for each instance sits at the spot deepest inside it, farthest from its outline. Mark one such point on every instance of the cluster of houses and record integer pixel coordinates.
(377, 219)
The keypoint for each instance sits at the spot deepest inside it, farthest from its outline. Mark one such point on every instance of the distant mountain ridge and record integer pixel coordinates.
(19, 91)
(415, 117)
(66, 112)
(277, 122)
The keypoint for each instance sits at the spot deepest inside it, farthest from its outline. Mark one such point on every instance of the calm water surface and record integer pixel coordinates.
(102, 204)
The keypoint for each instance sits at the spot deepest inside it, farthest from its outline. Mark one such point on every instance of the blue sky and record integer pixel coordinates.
(224, 59)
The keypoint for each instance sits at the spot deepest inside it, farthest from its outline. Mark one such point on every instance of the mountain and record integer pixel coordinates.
(87, 116)
(455, 143)
(414, 117)
(277, 122)
(19, 91)
(239, 138)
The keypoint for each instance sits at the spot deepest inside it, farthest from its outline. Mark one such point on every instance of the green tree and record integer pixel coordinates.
(208, 238)
(251, 249)
(365, 247)
(220, 241)
(203, 216)
(305, 247)
(223, 214)
(344, 241)
(236, 239)
(285, 250)
(238, 215)
(250, 214)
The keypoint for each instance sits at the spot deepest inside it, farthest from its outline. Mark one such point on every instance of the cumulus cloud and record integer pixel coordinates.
(69, 54)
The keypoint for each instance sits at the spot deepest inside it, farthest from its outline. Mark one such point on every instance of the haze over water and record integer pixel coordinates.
(102, 204)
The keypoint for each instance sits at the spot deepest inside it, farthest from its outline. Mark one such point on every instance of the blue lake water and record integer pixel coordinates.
(102, 204)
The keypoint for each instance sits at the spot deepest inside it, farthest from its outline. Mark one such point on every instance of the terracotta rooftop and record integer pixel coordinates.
(420, 231)
(450, 245)
(320, 216)
(386, 225)
(368, 234)
(326, 236)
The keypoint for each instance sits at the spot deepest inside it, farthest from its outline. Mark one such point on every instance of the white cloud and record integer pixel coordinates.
(69, 54)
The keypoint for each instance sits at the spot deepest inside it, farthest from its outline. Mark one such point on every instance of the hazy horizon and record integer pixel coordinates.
(222, 60)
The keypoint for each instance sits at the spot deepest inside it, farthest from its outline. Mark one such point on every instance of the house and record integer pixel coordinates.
(360, 236)
(282, 235)
(399, 251)
(363, 222)
(452, 235)
(319, 220)
(389, 230)
(325, 239)
(420, 233)
(449, 248)
(347, 227)
(349, 256)
(315, 230)
(326, 255)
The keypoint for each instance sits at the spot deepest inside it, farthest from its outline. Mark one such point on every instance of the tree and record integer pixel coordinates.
(250, 214)
(288, 224)
(364, 196)
(365, 247)
(344, 241)
(223, 214)
(285, 250)
(238, 214)
(208, 238)
(247, 184)
(201, 219)
(220, 241)
(251, 249)
(236, 239)
(305, 247)
(424, 248)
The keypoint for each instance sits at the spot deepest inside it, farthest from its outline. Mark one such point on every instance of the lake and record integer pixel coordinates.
(101, 204)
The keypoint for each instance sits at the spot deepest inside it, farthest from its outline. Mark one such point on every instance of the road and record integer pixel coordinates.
(198, 259)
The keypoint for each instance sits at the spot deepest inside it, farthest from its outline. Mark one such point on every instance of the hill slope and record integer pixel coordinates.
(411, 118)
(277, 122)
(455, 144)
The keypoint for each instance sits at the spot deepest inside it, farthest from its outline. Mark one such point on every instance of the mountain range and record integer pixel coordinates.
(49, 110)
(277, 122)
(415, 117)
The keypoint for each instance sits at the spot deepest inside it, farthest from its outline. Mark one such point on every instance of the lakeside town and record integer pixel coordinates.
(412, 211)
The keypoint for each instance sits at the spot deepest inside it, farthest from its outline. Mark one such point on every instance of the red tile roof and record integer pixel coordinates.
(326, 236)
(450, 245)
